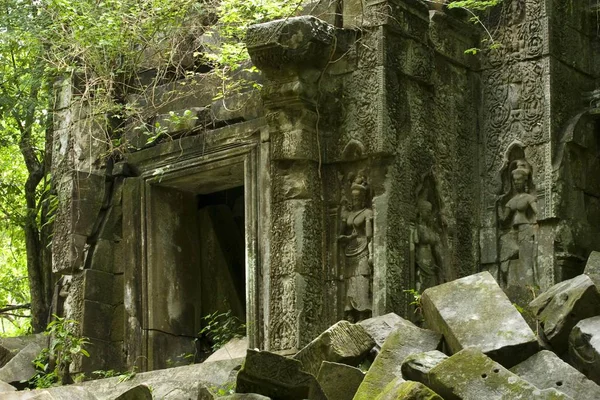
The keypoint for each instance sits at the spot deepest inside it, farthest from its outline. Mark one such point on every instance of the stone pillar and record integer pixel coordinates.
(292, 54)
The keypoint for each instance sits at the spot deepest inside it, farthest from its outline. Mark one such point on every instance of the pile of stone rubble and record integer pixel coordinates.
(477, 346)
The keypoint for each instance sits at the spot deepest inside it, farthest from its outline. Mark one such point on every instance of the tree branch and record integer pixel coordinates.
(15, 307)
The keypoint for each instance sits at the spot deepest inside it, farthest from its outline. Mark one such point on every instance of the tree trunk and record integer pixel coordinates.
(40, 299)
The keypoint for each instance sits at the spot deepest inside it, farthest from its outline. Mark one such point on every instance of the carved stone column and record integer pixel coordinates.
(292, 54)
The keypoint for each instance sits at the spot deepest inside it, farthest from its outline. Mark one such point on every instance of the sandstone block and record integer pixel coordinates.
(339, 381)
(416, 367)
(400, 344)
(546, 370)
(5, 387)
(235, 348)
(343, 342)
(276, 376)
(584, 348)
(474, 312)
(244, 396)
(400, 389)
(380, 327)
(10, 346)
(563, 305)
(20, 367)
(592, 267)
(471, 375)
(139, 392)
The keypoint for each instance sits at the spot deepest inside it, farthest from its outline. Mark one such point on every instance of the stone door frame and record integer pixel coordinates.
(242, 148)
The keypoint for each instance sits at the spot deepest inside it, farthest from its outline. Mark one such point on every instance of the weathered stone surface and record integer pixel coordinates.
(339, 381)
(563, 305)
(5, 387)
(276, 376)
(380, 327)
(399, 389)
(5, 355)
(20, 367)
(58, 393)
(183, 382)
(401, 343)
(10, 346)
(28, 395)
(343, 342)
(592, 267)
(139, 392)
(584, 348)
(474, 312)
(245, 396)
(546, 370)
(470, 375)
(416, 367)
(235, 348)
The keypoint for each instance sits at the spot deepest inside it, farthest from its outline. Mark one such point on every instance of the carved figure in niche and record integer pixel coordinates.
(428, 249)
(518, 219)
(356, 238)
(428, 237)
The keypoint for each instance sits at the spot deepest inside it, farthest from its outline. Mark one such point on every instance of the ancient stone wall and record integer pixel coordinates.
(378, 158)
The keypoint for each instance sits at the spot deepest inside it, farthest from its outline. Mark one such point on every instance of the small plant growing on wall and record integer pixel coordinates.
(53, 362)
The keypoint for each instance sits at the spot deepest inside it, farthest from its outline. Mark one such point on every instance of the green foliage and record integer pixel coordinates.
(476, 5)
(181, 359)
(225, 389)
(126, 376)
(52, 363)
(102, 374)
(220, 328)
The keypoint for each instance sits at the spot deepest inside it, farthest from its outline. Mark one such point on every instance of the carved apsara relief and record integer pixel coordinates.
(356, 242)
(517, 223)
(428, 239)
(515, 107)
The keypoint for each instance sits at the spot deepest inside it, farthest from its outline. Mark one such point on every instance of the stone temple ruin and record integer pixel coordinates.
(378, 158)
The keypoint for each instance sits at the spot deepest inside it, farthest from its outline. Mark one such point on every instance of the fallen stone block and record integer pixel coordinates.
(416, 367)
(167, 384)
(57, 393)
(5, 387)
(339, 381)
(235, 348)
(546, 370)
(20, 367)
(343, 343)
(10, 346)
(404, 341)
(471, 375)
(380, 327)
(28, 395)
(474, 312)
(592, 267)
(562, 306)
(584, 348)
(139, 392)
(399, 389)
(276, 376)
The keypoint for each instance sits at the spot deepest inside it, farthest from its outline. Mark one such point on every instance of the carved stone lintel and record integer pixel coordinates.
(289, 45)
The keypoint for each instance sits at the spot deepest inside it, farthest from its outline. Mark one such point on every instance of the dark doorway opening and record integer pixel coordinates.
(221, 224)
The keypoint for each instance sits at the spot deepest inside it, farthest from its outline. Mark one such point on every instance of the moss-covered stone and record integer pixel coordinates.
(471, 375)
(474, 312)
(406, 340)
(400, 389)
(343, 342)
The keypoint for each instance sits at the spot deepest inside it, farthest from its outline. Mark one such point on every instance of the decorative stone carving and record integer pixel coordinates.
(517, 213)
(357, 242)
(426, 239)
